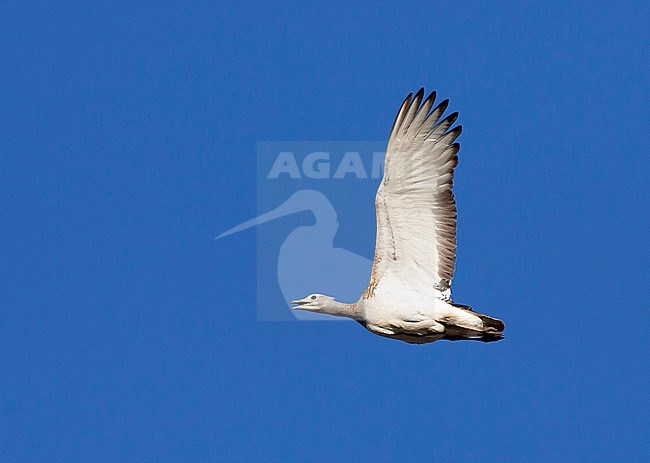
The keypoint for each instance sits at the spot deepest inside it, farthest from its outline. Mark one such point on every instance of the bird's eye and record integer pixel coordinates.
(313, 297)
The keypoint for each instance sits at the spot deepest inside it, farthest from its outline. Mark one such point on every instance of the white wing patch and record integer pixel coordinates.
(416, 210)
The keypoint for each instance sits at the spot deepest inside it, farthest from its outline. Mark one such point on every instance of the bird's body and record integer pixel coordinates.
(409, 293)
(399, 310)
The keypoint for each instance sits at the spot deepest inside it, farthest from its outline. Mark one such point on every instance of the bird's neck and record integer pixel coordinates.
(341, 309)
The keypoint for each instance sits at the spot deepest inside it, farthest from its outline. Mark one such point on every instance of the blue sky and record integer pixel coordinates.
(128, 136)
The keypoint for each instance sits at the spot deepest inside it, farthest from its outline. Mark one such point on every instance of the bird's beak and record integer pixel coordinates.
(299, 303)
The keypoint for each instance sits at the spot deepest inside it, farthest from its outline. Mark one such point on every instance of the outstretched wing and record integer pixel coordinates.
(416, 210)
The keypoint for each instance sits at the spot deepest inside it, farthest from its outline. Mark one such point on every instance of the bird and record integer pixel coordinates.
(316, 241)
(408, 297)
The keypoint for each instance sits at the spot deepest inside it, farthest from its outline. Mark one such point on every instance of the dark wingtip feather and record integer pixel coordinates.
(406, 104)
(430, 99)
(406, 100)
(417, 99)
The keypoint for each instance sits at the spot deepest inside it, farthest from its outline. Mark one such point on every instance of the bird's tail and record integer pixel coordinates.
(492, 328)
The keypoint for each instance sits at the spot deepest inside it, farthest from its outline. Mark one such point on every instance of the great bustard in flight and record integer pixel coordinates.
(409, 293)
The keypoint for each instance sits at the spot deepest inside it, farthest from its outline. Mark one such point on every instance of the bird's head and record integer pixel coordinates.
(314, 303)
